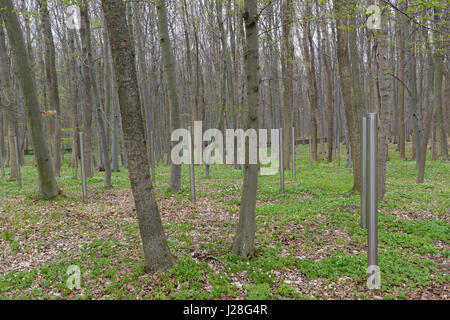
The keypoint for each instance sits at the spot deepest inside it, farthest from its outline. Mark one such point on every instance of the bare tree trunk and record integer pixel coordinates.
(144, 88)
(85, 35)
(330, 100)
(312, 85)
(350, 88)
(169, 73)
(74, 98)
(115, 149)
(52, 85)
(244, 242)
(438, 74)
(427, 125)
(156, 251)
(384, 84)
(287, 46)
(94, 101)
(8, 101)
(401, 98)
(47, 181)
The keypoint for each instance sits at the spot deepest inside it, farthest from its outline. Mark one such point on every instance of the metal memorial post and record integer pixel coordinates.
(371, 205)
(83, 171)
(363, 172)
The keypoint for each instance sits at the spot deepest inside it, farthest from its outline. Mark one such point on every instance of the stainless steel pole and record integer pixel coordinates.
(363, 172)
(372, 206)
(19, 177)
(293, 153)
(191, 166)
(83, 170)
(280, 148)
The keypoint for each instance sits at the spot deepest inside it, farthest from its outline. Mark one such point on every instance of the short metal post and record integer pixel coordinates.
(191, 166)
(363, 172)
(83, 170)
(293, 153)
(19, 177)
(372, 206)
(281, 161)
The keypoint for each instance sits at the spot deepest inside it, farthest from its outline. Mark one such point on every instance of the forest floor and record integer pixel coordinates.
(309, 243)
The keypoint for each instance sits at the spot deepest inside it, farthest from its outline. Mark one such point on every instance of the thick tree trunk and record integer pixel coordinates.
(350, 89)
(244, 242)
(47, 181)
(156, 251)
(52, 85)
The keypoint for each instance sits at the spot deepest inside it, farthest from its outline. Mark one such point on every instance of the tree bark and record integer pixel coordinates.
(384, 84)
(8, 102)
(169, 74)
(350, 88)
(287, 65)
(156, 251)
(52, 85)
(244, 242)
(47, 182)
(85, 35)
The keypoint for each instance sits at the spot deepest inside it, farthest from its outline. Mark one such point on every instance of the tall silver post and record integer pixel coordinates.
(363, 172)
(191, 166)
(372, 206)
(19, 177)
(293, 153)
(83, 170)
(281, 161)
(2, 165)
